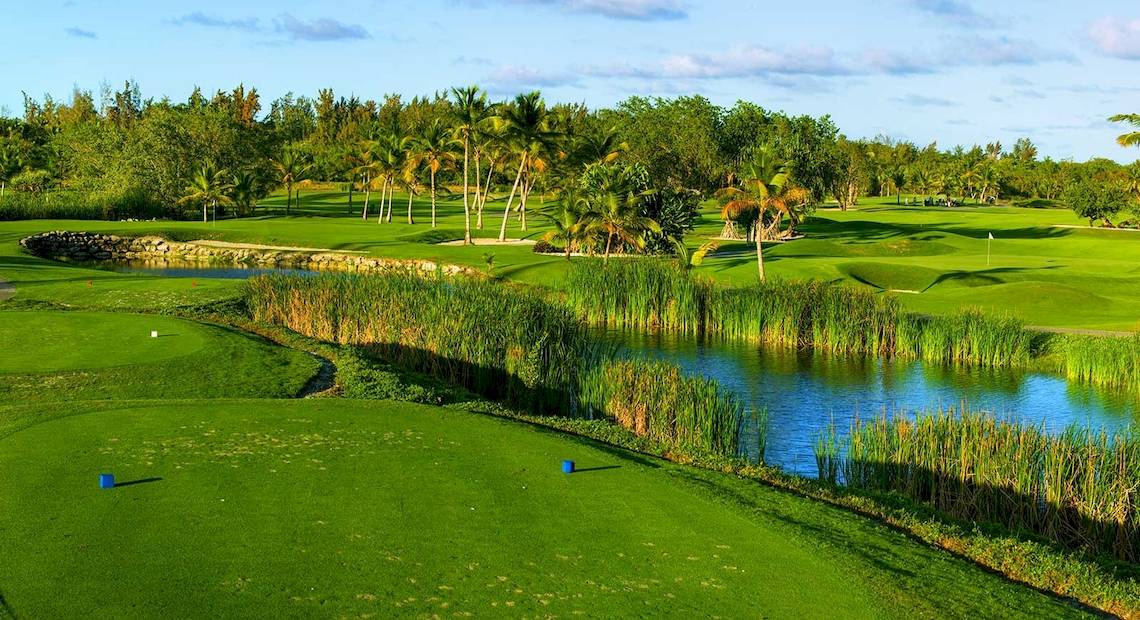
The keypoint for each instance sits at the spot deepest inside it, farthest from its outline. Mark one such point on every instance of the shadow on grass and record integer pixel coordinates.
(582, 470)
(131, 483)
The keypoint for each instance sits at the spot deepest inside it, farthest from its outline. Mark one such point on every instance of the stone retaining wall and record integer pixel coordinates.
(84, 247)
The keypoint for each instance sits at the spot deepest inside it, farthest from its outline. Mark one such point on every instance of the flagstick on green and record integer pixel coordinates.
(989, 238)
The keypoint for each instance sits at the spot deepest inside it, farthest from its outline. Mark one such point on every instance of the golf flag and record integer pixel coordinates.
(991, 236)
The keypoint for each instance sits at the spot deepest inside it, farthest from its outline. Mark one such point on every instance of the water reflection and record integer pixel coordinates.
(186, 269)
(806, 391)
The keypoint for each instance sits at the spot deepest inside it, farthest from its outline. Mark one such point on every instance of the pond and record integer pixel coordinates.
(180, 269)
(804, 391)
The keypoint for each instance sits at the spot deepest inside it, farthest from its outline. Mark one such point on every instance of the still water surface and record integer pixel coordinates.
(806, 391)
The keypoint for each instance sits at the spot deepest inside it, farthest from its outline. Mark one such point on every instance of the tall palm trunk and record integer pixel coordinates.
(507, 209)
(527, 186)
(410, 220)
(288, 197)
(383, 192)
(466, 208)
(433, 198)
(486, 193)
(759, 251)
(205, 204)
(609, 242)
(391, 192)
(367, 195)
(476, 205)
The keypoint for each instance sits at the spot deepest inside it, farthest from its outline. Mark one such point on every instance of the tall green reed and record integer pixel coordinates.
(693, 415)
(1079, 488)
(503, 342)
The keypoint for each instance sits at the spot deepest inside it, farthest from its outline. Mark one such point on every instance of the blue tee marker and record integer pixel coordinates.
(106, 481)
(567, 467)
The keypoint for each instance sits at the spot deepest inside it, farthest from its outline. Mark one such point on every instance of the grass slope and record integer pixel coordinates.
(61, 355)
(335, 508)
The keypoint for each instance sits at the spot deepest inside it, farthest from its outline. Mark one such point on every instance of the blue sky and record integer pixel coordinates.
(955, 71)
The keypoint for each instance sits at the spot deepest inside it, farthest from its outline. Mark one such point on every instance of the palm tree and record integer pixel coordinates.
(1131, 138)
(765, 187)
(567, 216)
(367, 168)
(209, 186)
(469, 112)
(527, 131)
(688, 259)
(431, 149)
(614, 212)
(9, 166)
(600, 146)
(246, 191)
(291, 167)
(491, 145)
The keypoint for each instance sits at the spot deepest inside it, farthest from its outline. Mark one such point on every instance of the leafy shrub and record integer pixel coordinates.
(73, 205)
(545, 247)
(434, 236)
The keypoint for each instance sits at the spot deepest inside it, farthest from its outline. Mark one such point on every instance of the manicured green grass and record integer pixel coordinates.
(347, 508)
(1040, 272)
(55, 341)
(63, 355)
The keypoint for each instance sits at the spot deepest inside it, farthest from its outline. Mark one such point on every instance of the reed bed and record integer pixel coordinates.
(1105, 361)
(655, 295)
(805, 314)
(1079, 488)
(504, 343)
(74, 205)
(965, 337)
(639, 294)
(692, 415)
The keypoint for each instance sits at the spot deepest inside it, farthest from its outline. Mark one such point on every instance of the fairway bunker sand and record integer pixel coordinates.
(476, 241)
(7, 290)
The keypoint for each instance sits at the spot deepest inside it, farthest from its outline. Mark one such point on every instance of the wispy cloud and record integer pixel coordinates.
(320, 29)
(923, 101)
(738, 62)
(952, 10)
(293, 29)
(511, 79)
(80, 33)
(637, 10)
(198, 18)
(1116, 37)
(757, 61)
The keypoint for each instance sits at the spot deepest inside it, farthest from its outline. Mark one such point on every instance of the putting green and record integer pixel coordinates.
(54, 341)
(352, 508)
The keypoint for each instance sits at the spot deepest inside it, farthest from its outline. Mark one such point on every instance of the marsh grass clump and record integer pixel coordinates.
(1079, 488)
(1104, 361)
(661, 296)
(969, 336)
(498, 341)
(806, 314)
(75, 205)
(692, 415)
(638, 294)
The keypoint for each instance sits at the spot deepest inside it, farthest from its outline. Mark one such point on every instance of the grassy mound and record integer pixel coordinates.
(398, 509)
(890, 276)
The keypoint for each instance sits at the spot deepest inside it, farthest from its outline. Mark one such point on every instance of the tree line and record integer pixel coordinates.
(135, 155)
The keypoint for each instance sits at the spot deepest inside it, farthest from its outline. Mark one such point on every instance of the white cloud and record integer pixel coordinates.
(1116, 37)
